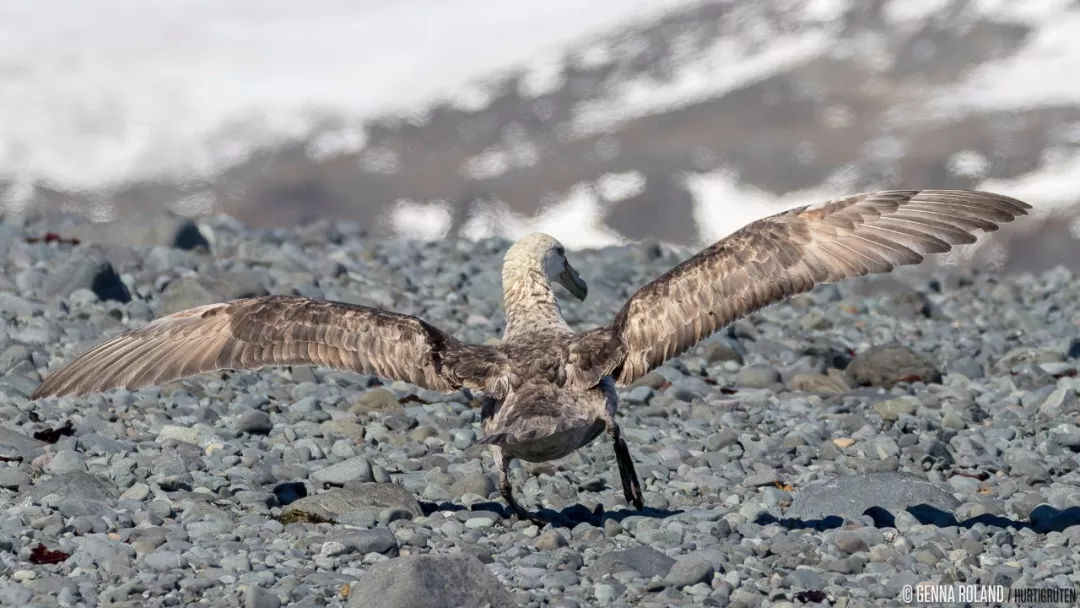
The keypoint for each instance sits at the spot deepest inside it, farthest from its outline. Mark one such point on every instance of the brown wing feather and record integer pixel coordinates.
(786, 254)
(280, 330)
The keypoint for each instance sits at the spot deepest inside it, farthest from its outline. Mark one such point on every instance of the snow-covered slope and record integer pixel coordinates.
(98, 94)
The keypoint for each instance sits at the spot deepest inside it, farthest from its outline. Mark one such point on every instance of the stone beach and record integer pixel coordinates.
(883, 432)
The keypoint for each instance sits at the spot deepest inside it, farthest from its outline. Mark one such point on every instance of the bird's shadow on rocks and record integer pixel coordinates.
(566, 517)
(1042, 519)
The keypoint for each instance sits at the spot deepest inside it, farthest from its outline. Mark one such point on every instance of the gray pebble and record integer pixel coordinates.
(689, 571)
(66, 461)
(757, 376)
(550, 540)
(255, 422)
(376, 540)
(257, 597)
(164, 560)
(12, 478)
(356, 469)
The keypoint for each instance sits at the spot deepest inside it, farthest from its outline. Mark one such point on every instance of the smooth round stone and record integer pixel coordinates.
(12, 478)
(952, 420)
(66, 461)
(892, 409)
(165, 560)
(255, 422)
(757, 376)
(550, 540)
(331, 548)
(161, 508)
(257, 597)
(689, 571)
(138, 491)
(604, 593)
(474, 523)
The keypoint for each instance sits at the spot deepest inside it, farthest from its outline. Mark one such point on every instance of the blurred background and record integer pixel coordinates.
(600, 122)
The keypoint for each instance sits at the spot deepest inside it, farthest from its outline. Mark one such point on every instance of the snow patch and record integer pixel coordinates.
(594, 56)
(900, 11)
(722, 204)
(514, 151)
(1035, 76)
(1051, 187)
(727, 65)
(1032, 12)
(128, 90)
(576, 219)
(424, 221)
(826, 10)
(337, 142)
(540, 78)
(968, 163)
(194, 205)
(614, 187)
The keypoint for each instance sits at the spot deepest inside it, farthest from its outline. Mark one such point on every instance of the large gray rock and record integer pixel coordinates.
(13, 355)
(689, 570)
(757, 376)
(14, 307)
(721, 349)
(78, 484)
(893, 297)
(14, 444)
(888, 364)
(430, 581)
(377, 540)
(817, 383)
(257, 597)
(376, 400)
(256, 422)
(355, 469)
(892, 409)
(850, 496)
(334, 503)
(12, 478)
(1025, 355)
(642, 559)
(184, 293)
(88, 270)
(236, 284)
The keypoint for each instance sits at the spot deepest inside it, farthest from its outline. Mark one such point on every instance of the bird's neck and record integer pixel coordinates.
(529, 301)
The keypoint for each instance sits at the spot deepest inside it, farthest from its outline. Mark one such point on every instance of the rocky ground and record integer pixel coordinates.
(832, 449)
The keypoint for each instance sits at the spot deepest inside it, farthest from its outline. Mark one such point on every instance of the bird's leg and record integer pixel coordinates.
(630, 485)
(507, 492)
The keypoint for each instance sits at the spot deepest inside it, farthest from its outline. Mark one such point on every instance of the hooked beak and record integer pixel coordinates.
(572, 281)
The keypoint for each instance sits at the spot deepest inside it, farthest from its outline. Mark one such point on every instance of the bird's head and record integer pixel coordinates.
(539, 251)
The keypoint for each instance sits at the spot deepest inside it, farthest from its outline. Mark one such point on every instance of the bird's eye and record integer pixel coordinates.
(560, 250)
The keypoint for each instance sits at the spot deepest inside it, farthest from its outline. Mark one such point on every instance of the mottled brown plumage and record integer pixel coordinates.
(786, 254)
(548, 390)
(282, 330)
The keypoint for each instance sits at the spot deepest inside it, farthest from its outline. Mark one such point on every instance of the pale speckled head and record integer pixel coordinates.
(544, 252)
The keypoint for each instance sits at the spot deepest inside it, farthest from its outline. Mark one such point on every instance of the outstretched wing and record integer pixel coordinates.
(786, 254)
(281, 330)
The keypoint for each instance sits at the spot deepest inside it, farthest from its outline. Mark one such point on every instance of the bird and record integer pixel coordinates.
(547, 390)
